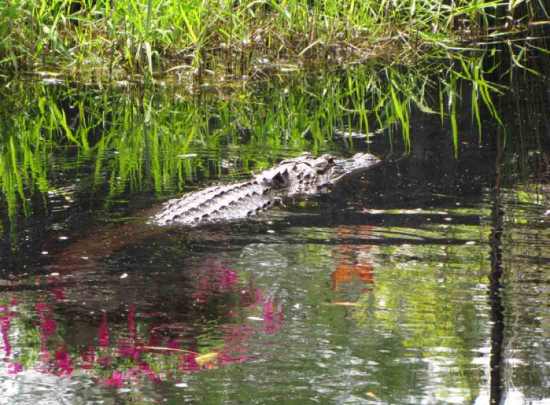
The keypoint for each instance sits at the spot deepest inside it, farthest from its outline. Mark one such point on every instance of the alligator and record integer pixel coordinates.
(300, 177)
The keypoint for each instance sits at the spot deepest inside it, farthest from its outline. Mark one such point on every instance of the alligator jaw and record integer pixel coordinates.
(354, 166)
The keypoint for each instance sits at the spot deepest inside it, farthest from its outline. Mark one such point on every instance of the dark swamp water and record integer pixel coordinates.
(424, 281)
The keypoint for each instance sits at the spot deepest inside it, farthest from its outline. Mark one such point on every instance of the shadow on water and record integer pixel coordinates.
(495, 283)
(424, 280)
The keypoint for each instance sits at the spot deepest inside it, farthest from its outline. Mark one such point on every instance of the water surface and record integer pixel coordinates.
(424, 281)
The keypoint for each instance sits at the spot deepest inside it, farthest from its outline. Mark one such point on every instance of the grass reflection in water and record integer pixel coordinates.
(64, 140)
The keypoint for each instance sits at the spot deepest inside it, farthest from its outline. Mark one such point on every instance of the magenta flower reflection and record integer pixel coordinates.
(156, 349)
(5, 325)
(6, 316)
(214, 279)
(116, 380)
(63, 362)
(48, 325)
(273, 316)
(15, 368)
(103, 332)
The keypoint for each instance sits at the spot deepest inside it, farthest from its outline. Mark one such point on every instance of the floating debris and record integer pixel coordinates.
(347, 133)
(187, 156)
(343, 304)
(206, 359)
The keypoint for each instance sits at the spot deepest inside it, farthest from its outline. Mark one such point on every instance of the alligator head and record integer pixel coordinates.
(306, 175)
(340, 169)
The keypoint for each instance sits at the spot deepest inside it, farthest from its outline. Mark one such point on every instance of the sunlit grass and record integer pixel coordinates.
(113, 38)
(144, 139)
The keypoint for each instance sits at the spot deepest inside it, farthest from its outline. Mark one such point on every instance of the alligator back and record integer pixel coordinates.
(215, 204)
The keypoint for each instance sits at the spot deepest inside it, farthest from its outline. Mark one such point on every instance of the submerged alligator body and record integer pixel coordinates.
(303, 176)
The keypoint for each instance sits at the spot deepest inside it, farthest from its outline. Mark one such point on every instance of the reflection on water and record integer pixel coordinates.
(354, 267)
(426, 281)
(120, 349)
(395, 312)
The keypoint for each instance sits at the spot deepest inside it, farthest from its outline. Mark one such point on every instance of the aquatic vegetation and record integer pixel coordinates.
(136, 139)
(204, 39)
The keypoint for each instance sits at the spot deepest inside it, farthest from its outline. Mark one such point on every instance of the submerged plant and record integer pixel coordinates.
(135, 139)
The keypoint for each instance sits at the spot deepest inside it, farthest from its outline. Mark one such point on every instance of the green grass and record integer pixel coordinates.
(227, 39)
(139, 138)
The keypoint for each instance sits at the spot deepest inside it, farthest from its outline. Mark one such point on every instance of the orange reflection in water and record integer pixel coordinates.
(354, 260)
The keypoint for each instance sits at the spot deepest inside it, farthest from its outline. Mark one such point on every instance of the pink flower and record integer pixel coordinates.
(15, 368)
(126, 348)
(58, 293)
(63, 362)
(48, 327)
(104, 361)
(116, 380)
(226, 358)
(44, 354)
(132, 321)
(228, 278)
(88, 358)
(273, 317)
(5, 324)
(103, 332)
(259, 296)
(189, 362)
(146, 370)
